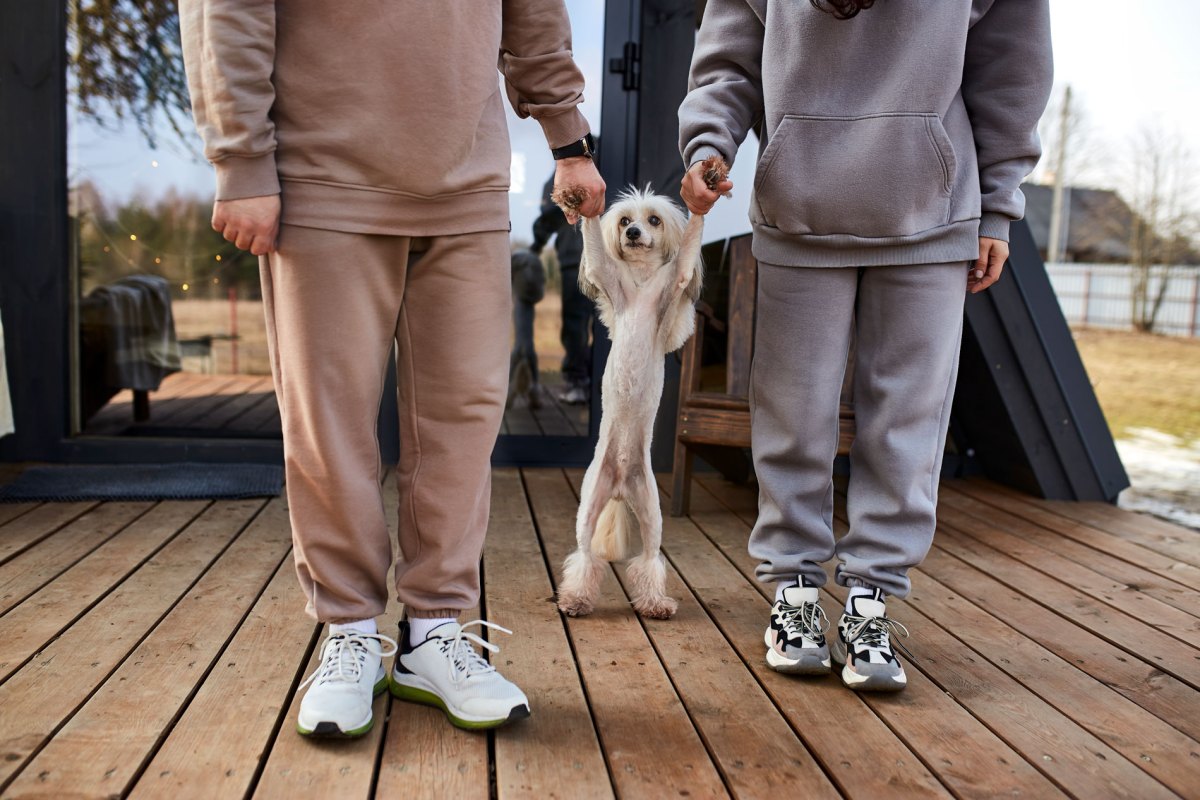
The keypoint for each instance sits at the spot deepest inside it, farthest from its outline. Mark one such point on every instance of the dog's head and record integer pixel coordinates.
(643, 228)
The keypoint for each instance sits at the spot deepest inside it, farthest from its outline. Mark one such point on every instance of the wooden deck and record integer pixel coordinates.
(244, 406)
(154, 649)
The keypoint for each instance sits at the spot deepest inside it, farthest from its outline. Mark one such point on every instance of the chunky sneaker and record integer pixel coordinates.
(796, 637)
(344, 686)
(864, 646)
(446, 672)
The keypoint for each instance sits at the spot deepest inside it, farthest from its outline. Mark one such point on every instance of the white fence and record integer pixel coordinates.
(1100, 295)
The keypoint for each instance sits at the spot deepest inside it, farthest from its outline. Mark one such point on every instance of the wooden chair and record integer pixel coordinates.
(709, 421)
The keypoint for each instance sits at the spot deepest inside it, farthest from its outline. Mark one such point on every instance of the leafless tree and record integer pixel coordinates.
(126, 61)
(1161, 193)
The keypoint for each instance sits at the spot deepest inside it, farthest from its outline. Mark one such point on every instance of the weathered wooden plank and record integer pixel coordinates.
(196, 396)
(28, 529)
(99, 752)
(1072, 757)
(10, 511)
(50, 609)
(521, 422)
(1129, 575)
(420, 747)
(1155, 534)
(999, 533)
(29, 571)
(1103, 541)
(757, 751)
(531, 760)
(47, 690)
(849, 749)
(226, 415)
(245, 694)
(631, 697)
(1146, 741)
(300, 767)
(1126, 632)
(552, 417)
(927, 723)
(1151, 688)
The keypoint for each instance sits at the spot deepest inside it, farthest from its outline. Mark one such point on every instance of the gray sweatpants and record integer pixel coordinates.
(908, 326)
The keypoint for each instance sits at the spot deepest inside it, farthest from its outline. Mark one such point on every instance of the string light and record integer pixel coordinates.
(218, 256)
(133, 237)
(186, 287)
(157, 260)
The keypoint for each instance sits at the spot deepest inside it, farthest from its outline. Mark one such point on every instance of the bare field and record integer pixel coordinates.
(1144, 381)
(195, 318)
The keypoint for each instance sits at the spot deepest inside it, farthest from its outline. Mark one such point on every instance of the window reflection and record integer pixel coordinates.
(550, 367)
(171, 333)
(171, 338)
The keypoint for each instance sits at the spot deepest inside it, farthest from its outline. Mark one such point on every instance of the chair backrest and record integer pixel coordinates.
(743, 288)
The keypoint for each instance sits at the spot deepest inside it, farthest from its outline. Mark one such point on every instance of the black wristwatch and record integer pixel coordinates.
(583, 147)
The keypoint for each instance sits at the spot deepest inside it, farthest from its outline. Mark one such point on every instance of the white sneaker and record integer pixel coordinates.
(445, 671)
(344, 686)
(864, 647)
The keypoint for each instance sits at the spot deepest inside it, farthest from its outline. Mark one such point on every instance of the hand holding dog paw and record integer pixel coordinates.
(578, 180)
(695, 190)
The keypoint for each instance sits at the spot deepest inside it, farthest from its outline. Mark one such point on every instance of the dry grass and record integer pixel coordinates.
(195, 318)
(1144, 381)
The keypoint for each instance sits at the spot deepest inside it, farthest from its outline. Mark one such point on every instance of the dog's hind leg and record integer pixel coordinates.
(583, 570)
(648, 573)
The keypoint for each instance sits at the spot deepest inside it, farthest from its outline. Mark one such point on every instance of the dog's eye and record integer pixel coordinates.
(624, 221)
(655, 221)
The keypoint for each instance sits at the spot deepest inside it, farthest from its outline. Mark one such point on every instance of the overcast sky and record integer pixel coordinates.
(1130, 64)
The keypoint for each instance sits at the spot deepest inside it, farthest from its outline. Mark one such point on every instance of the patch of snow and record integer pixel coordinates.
(1164, 471)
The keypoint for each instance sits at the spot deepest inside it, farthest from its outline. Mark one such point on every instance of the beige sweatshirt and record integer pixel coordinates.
(382, 117)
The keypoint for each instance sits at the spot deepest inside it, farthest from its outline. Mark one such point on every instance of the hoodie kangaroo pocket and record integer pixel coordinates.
(881, 175)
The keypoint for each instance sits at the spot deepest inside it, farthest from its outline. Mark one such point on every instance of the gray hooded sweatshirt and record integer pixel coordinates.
(899, 136)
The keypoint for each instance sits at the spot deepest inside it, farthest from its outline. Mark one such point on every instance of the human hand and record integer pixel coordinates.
(986, 270)
(580, 176)
(251, 223)
(696, 194)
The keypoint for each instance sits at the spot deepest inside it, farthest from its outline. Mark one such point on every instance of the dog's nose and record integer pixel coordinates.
(634, 234)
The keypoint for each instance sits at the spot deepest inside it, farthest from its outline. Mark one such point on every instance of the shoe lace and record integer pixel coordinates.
(807, 618)
(344, 653)
(464, 660)
(875, 632)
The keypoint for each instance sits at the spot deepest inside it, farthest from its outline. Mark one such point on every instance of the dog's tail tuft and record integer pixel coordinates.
(616, 537)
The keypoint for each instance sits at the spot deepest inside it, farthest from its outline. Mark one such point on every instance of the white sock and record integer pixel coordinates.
(419, 628)
(358, 626)
(857, 591)
(779, 587)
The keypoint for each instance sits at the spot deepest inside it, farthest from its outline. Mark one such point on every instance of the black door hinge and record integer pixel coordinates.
(628, 66)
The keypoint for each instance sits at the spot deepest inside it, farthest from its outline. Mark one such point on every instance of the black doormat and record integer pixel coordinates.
(74, 482)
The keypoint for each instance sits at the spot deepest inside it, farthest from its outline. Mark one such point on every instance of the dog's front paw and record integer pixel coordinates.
(574, 605)
(658, 608)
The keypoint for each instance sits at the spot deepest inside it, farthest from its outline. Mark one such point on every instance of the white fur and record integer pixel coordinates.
(644, 289)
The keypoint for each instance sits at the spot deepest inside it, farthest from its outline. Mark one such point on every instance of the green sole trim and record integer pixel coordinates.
(425, 698)
(330, 730)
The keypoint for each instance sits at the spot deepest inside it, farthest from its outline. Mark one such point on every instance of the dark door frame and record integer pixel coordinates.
(35, 285)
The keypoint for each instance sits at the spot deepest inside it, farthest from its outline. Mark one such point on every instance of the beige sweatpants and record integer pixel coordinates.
(334, 304)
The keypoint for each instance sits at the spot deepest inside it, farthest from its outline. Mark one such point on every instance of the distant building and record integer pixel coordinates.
(1098, 223)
